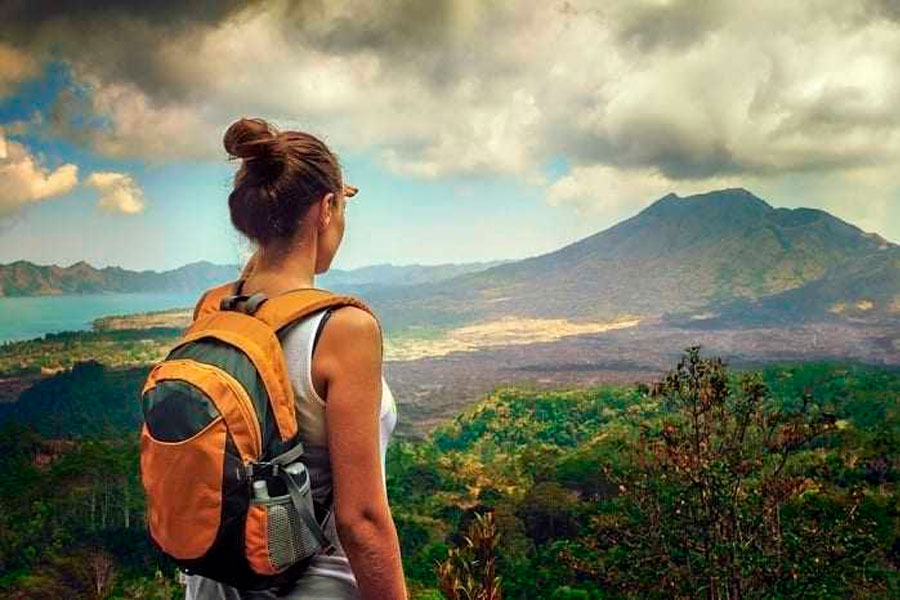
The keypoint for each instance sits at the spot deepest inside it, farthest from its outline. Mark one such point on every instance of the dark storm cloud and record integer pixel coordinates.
(889, 9)
(24, 17)
(690, 89)
(669, 26)
(394, 27)
(119, 39)
(441, 40)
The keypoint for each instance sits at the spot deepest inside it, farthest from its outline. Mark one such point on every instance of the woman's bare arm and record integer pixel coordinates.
(349, 362)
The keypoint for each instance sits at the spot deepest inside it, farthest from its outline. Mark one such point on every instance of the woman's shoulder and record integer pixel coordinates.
(350, 335)
(353, 321)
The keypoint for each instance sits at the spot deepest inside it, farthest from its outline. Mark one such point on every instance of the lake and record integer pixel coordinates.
(27, 317)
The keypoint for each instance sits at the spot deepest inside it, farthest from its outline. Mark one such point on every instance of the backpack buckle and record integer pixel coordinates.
(252, 302)
(229, 302)
(262, 470)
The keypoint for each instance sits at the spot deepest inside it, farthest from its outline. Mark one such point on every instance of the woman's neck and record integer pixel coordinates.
(287, 272)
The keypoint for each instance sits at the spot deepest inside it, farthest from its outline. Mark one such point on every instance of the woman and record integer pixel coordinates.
(289, 199)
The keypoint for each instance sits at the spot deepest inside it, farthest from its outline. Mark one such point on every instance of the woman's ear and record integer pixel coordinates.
(326, 209)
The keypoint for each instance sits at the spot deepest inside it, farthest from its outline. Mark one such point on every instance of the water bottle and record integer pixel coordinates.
(260, 490)
(299, 540)
(298, 473)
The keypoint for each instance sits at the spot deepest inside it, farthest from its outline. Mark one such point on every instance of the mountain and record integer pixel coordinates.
(678, 256)
(23, 278)
(864, 288)
(386, 274)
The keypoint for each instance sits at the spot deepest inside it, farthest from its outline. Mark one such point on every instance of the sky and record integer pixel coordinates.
(475, 130)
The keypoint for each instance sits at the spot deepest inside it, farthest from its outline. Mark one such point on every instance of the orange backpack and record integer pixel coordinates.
(219, 418)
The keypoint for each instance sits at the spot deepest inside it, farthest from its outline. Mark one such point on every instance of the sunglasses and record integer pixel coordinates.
(350, 190)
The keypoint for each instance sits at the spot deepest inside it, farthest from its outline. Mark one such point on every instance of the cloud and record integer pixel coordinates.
(133, 124)
(94, 33)
(23, 180)
(118, 192)
(15, 67)
(616, 193)
(867, 197)
(678, 90)
(674, 25)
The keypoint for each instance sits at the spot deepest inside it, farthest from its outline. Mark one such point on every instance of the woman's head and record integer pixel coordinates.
(285, 177)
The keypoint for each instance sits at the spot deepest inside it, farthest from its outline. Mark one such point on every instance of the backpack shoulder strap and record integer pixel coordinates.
(286, 308)
(211, 299)
(282, 310)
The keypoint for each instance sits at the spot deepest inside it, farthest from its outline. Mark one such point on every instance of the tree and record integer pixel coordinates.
(709, 481)
(469, 572)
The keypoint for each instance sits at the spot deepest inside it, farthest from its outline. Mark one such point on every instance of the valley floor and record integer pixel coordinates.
(432, 389)
(434, 378)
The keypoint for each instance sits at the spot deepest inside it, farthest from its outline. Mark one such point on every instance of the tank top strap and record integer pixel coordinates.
(298, 341)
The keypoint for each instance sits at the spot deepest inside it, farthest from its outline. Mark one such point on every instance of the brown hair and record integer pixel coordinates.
(281, 175)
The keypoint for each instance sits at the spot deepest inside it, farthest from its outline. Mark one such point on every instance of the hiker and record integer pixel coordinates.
(288, 199)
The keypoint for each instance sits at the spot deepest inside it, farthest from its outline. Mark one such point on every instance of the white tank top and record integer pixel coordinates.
(297, 342)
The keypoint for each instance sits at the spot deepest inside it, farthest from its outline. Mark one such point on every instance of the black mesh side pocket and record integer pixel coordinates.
(290, 540)
(287, 537)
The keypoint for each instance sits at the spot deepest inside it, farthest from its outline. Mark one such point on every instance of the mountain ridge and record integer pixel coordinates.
(25, 278)
(678, 255)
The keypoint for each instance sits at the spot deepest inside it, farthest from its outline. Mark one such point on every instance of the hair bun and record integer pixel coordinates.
(250, 138)
(259, 144)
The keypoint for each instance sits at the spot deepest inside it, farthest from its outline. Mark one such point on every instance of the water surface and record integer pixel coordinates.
(28, 317)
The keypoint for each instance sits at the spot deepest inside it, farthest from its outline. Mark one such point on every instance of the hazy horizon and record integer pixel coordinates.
(414, 264)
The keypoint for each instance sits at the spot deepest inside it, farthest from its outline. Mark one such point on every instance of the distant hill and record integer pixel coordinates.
(677, 256)
(865, 288)
(23, 278)
(386, 274)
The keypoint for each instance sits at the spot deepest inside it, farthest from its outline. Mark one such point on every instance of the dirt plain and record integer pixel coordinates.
(432, 389)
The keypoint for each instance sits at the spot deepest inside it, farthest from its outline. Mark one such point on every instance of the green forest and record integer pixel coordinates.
(708, 483)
